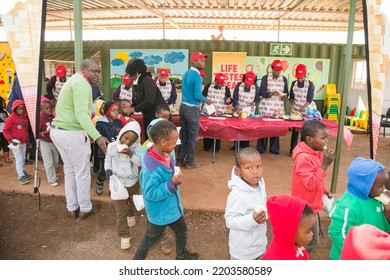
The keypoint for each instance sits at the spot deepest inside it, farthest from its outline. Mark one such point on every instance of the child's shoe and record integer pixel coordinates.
(164, 246)
(125, 243)
(131, 222)
(188, 256)
(28, 176)
(53, 184)
(28, 162)
(23, 180)
(99, 187)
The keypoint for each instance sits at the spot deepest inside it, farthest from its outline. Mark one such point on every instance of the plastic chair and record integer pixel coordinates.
(348, 120)
(330, 88)
(357, 117)
(362, 122)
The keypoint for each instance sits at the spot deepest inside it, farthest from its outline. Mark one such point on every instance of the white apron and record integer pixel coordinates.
(126, 93)
(300, 95)
(217, 96)
(268, 106)
(246, 98)
(57, 88)
(165, 90)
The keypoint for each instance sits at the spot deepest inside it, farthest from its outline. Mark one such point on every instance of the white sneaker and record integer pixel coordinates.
(131, 221)
(54, 184)
(125, 243)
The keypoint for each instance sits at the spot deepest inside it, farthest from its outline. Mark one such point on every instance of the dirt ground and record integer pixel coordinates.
(29, 234)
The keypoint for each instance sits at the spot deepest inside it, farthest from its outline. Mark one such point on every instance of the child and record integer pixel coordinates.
(3, 141)
(48, 149)
(124, 165)
(16, 132)
(125, 116)
(247, 235)
(291, 219)
(160, 189)
(163, 111)
(311, 160)
(357, 206)
(109, 127)
(99, 110)
(366, 242)
(99, 113)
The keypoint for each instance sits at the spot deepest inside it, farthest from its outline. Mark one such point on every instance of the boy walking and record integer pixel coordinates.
(311, 160)
(160, 189)
(16, 132)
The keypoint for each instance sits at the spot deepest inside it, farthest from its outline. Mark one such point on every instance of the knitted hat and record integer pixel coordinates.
(108, 107)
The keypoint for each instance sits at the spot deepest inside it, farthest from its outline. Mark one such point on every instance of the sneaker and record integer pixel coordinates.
(188, 256)
(164, 246)
(95, 208)
(99, 188)
(53, 184)
(180, 163)
(28, 176)
(23, 180)
(125, 243)
(192, 165)
(131, 221)
(28, 162)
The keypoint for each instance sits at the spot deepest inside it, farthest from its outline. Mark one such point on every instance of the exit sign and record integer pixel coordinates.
(281, 49)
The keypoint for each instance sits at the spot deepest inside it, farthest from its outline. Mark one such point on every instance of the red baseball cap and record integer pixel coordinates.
(250, 78)
(220, 78)
(197, 55)
(60, 71)
(300, 71)
(163, 73)
(277, 65)
(126, 79)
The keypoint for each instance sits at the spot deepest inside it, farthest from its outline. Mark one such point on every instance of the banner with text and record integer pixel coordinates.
(232, 64)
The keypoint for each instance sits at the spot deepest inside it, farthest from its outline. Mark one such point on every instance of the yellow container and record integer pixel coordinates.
(243, 115)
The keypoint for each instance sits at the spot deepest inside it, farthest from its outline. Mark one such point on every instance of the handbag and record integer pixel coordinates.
(118, 191)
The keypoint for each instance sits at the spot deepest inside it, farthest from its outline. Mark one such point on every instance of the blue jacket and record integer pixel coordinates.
(161, 197)
(108, 129)
(192, 88)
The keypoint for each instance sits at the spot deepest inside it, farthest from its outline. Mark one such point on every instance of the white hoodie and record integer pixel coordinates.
(121, 165)
(247, 238)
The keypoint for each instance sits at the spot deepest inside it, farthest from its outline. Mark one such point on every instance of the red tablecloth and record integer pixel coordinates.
(237, 129)
(232, 129)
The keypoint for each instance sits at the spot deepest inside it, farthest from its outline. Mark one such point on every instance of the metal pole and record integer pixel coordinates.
(345, 73)
(78, 30)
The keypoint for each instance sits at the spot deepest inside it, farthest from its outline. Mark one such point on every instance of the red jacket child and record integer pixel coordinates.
(16, 126)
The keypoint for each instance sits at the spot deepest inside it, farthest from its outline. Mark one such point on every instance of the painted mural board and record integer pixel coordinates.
(174, 60)
(317, 70)
(7, 70)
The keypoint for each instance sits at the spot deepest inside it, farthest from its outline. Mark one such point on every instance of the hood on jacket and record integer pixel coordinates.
(237, 183)
(153, 122)
(284, 214)
(98, 105)
(302, 147)
(16, 104)
(357, 245)
(361, 176)
(131, 126)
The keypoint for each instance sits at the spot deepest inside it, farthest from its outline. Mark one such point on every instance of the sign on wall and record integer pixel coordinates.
(232, 64)
(317, 70)
(173, 60)
(280, 49)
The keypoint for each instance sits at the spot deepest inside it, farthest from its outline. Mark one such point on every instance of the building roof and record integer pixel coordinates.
(321, 15)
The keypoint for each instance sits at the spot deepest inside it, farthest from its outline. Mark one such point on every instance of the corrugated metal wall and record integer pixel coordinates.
(334, 52)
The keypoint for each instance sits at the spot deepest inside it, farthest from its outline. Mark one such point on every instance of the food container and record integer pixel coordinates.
(243, 115)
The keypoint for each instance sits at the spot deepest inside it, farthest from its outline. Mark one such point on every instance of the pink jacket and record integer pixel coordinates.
(308, 178)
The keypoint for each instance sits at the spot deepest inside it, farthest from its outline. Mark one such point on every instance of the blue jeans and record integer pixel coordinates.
(154, 232)
(189, 121)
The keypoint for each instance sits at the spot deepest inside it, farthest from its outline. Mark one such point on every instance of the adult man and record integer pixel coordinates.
(146, 95)
(71, 128)
(274, 91)
(301, 97)
(189, 109)
(56, 82)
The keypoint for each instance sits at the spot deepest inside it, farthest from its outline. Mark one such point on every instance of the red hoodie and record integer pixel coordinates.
(366, 242)
(16, 127)
(308, 178)
(284, 213)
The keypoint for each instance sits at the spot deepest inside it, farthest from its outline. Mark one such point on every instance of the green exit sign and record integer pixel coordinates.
(281, 49)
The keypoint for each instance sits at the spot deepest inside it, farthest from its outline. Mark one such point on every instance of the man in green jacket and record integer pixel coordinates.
(71, 133)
